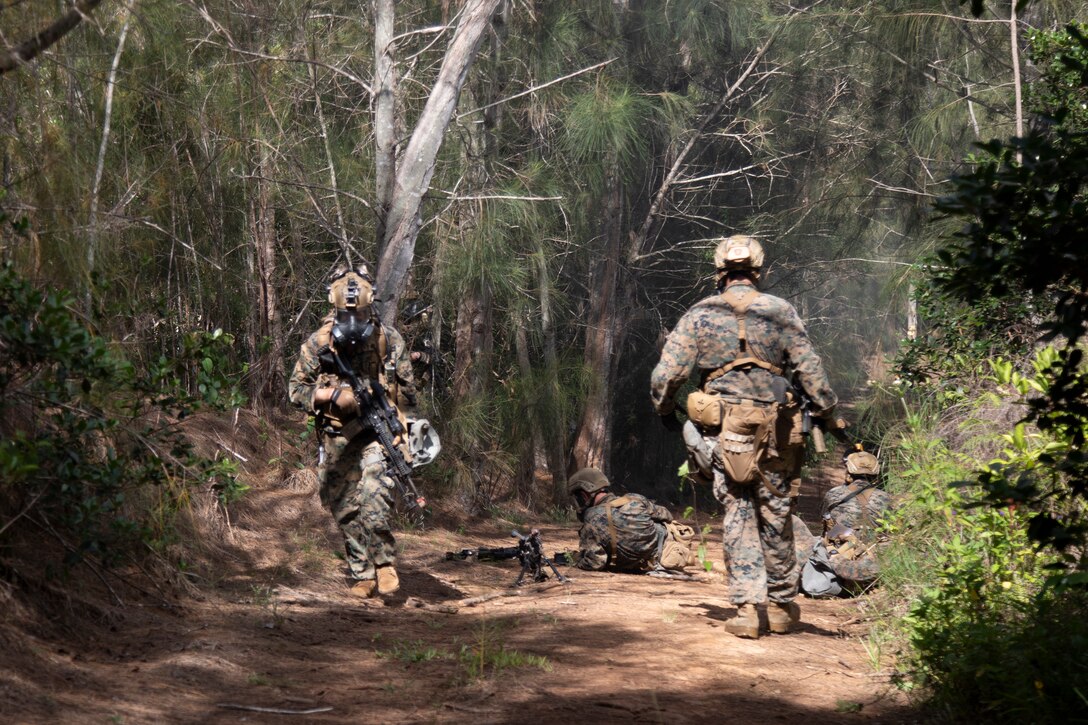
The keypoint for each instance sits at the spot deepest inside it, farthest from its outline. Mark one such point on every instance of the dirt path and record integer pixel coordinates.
(604, 648)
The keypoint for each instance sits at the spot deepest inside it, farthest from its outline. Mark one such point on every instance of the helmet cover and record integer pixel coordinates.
(738, 252)
(589, 480)
(862, 463)
(352, 290)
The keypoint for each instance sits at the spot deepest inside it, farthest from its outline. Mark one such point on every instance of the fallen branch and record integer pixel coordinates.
(273, 710)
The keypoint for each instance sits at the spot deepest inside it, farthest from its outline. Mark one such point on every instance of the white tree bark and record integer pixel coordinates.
(417, 165)
(385, 101)
(92, 237)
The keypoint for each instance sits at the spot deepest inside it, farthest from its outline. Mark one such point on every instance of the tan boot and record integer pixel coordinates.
(388, 581)
(746, 623)
(364, 589)
(782, 617)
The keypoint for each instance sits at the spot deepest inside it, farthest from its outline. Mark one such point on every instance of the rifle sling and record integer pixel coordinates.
(864, 493)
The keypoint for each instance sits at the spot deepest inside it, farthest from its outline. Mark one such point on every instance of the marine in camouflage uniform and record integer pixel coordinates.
(851, 514)
(626, 533)
(760, 558)
(352, 468)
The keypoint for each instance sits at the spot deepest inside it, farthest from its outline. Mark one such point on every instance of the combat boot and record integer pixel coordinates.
(388, 581)
(364, 589)
(783, 616)
(746, 623)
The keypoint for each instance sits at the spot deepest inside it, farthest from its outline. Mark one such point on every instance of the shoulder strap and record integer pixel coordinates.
(383, 342)
(740, 302)
(613, 504)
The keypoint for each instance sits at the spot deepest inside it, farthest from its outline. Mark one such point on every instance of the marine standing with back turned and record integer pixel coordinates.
(355, 485)
(745, 345)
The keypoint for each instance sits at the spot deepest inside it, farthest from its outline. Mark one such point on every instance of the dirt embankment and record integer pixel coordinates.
(267, 634)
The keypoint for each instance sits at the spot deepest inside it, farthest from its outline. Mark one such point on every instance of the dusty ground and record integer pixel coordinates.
(268, 627)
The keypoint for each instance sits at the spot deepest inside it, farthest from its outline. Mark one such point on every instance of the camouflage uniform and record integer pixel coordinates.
(638, 526)
(854, 559)
(757, 533)
(352, 473)
(858, 511)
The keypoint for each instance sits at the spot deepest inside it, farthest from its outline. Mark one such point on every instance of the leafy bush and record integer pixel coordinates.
(993, 633)
(84, 435)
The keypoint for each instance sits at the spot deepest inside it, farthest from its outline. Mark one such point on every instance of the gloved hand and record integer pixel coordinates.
(343, 402)
(672, 423)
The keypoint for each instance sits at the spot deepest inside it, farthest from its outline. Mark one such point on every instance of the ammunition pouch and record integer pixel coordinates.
(705, 409)
(788, 429)
(747, 428)
(678, 549)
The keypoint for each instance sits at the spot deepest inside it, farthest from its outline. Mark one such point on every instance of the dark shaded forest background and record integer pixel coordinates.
(180, 177)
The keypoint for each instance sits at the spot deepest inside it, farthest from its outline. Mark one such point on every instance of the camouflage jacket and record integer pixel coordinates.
(857, 511)
(706, 339)
(313, 370)
(630, 542)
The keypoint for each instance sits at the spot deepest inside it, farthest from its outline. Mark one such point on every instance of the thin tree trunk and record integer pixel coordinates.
(111, 83)
(594, 439)
(527, 469)
(554, 440)
(414, 174)
(385, 117)
(323, 127)
(267, 339)
(1014, 43)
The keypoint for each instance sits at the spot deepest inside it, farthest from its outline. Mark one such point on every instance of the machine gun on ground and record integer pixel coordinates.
(529, 551)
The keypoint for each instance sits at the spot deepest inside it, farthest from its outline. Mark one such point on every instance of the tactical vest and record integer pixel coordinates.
(374, 360)
(371, 361)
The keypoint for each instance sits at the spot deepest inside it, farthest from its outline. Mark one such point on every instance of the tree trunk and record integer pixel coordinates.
(385, 118)
(594, 439)
(266, 336)
(414, 174)
(554, 440)
(473, 342)
(107, 117)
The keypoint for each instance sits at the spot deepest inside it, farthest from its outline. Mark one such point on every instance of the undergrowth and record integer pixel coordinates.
(975, 613)
(92, 458)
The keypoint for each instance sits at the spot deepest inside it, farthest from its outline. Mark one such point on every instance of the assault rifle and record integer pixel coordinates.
(378, 415)
(529, 551)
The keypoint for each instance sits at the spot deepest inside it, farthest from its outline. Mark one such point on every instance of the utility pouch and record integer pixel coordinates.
(705, 409)
(745, 435)
(678, 550)
(789, 427)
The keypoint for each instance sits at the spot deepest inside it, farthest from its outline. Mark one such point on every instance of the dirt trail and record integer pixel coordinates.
(604, 648)
(269, 625)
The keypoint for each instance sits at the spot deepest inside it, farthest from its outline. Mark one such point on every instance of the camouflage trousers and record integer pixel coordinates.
(356, 489)
(757, 534)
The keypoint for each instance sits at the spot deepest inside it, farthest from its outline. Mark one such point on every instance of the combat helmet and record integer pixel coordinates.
(587, 480)
(862, 463)
(738, 252)
(351, 289)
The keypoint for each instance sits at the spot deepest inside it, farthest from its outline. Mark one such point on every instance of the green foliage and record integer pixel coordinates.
(204, 367)
(957, 336)
(983, 627)
(1026, 239)
(84, 435)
